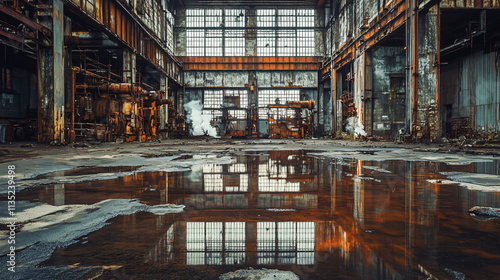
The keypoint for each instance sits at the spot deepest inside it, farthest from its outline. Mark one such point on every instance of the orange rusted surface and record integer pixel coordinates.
(251, 63)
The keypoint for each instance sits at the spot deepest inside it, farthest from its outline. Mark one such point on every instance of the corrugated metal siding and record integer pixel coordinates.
(478, 96)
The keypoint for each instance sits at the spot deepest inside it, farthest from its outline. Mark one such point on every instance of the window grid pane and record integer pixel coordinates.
(207, 35)
(266, 42)
(295, 36)
(235, 43)
(235, 18)
(195, 42)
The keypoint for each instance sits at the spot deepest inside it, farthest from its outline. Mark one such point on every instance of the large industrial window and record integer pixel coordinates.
(269, 97)
(288, 242)
(170, 31)
(285, 32)
(215, 32)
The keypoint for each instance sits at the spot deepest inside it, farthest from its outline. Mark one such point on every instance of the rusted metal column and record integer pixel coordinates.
(415, 63)
(163, 107)
(333, 97)
(428, 116)
(51, 80)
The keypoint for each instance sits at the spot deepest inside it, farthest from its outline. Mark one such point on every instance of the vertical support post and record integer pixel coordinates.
(415, 63)
(163, 107)
(251, 33)
(428, 116)
(368, 95)
(321, 108)
(51, 80)
(333, 97)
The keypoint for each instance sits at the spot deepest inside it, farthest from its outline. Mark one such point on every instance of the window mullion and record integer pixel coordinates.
(276, 33)
(223, 32)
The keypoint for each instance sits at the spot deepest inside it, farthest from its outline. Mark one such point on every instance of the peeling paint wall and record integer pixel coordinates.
(301, 79)
(216, 78)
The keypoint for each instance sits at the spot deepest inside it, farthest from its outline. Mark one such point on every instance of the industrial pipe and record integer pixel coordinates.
(114, 88)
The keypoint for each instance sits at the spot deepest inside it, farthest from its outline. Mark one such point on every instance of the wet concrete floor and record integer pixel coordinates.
(317, 216)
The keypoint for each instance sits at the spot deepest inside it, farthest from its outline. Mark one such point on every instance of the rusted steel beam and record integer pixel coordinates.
(390, 18)
(251, 63)
(11, 36)
(20, 17)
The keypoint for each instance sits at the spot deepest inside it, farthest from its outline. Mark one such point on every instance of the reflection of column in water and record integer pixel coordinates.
(409, 186)
(164, 191)
(359, 194)
(58, 194)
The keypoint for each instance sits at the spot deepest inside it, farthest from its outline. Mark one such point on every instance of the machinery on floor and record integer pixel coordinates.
(285, 124)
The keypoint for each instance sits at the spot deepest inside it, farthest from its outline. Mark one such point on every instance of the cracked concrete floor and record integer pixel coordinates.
(44, 228)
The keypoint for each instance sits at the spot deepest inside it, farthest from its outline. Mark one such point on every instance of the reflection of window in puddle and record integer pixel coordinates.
(214, 180)
(215, 243)
(280, 185)
(212, 168)
(295, 243)
(237, 168)
(272, 178)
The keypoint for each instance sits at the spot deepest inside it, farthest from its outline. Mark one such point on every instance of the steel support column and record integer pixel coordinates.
(164, 107)
(51, 80)
(428, 119)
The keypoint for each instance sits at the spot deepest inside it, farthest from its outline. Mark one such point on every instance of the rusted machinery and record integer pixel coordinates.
(282, 125)
(107, 111)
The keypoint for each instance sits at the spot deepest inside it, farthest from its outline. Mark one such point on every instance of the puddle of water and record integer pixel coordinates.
(320, 218)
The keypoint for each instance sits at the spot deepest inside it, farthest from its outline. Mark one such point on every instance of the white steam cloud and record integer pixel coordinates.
(353, 124)
(200, 122)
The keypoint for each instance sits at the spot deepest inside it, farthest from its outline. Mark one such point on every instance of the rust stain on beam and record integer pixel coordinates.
(251, 63)
(11, 36)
